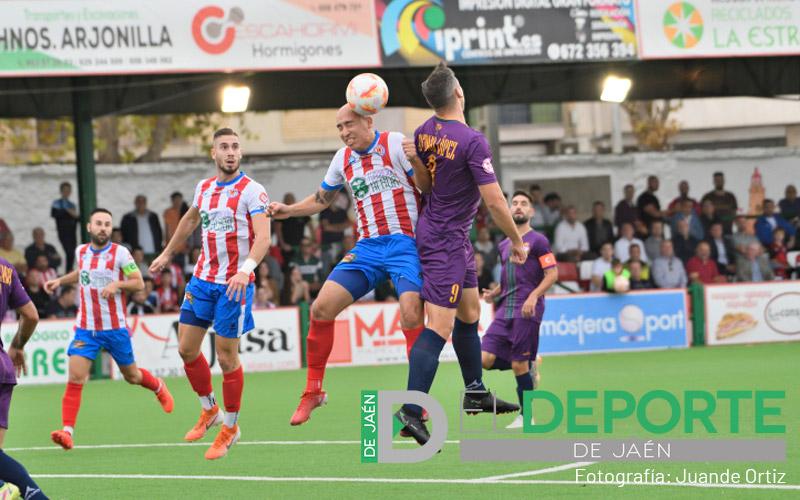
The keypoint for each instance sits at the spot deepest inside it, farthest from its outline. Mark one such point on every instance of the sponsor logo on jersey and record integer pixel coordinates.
(218, 221)
(78, 344)
(487, 166)
(85, 279)
(374, 182)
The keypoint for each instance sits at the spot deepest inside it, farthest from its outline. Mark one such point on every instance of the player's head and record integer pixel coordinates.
(355, 130)
(442, 90)
(226, 150)
(521, 208)
(99, 226)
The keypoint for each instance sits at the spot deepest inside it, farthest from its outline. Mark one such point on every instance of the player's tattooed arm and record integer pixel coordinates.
(325, 197)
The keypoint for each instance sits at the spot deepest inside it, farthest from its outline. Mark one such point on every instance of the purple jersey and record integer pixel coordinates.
(459, 160)
(12, 296)
(517, 282)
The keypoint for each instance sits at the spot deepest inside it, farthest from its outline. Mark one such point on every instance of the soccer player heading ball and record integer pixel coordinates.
(381, 182)
(104, 271)
(231, 209)
(460, 165)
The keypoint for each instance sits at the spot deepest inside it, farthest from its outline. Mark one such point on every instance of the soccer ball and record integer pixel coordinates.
(9, 491)
(367, 94)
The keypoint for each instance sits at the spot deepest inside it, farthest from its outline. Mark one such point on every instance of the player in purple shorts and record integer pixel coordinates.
(13, 296)
(457, 162)
(512, 339)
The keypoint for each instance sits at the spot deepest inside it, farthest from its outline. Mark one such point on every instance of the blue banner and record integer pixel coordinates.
(614, 322)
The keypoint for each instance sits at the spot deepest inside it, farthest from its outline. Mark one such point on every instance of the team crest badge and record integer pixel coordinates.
(438, 127)
(487, 166)
(188, 297)
(379, 150)
(349, 257)
(233, 193)
(263, 198)
(78, 344)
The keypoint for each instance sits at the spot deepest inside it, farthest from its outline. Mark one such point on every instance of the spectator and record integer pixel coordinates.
(754, 266)
(600, 265)
(686, 212)
(538, 220)
(139, 304)
(778, 250)
(668, 271)
(64, 306)
(168, 298)
(269, 269)
(636, 257)
(177, 281)
(744, 236)
(684, 244)
(41, 247)
(722, 251)
(150, 293)
(724, 202)
(485, 278)
(138, 258)
(769, 221)
(263, 298)
(674, 205)
(191, 262)
(625, 211)
(172, 216)
(36, 292)
(598, 228)
(348, 242)
(640, 229)
(652, 245)
(140, 228)
(309, 265)
(571, 241)
(66, 216)
(638, 281)
(647, 203)
(11, 254)
(790, 205)
(552, 209)
(707, 215)
(334, 221)
(291, 231)
(617, 278)
(623, 244)
(295, 288)
(701, 268)
(45, 273)
(488, 250)
(4, 229)
(116, 237)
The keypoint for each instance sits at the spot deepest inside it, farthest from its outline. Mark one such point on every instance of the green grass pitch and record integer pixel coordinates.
(114, 413)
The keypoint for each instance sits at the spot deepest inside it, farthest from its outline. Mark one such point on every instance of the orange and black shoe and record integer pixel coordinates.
(227, 437)
(207, 420)
(62, 438)
(308, 402)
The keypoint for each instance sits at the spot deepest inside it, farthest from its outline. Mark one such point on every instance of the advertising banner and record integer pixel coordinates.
(422, 32)
(46, 351)
(717, 28)
(70, 37)
(747, 313)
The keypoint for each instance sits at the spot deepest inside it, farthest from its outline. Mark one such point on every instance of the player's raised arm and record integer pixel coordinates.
(311, 205)
(498, 207)
(185, 228)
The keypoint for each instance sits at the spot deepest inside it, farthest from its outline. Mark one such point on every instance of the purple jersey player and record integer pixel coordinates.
(453, 166)
(512, 339)
(12, 363)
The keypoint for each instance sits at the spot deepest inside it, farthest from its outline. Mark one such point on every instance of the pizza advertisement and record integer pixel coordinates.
(747, 313)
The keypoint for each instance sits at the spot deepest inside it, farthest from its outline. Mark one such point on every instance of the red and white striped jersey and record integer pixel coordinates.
(380, 182)
(225, 220)
(96, 269)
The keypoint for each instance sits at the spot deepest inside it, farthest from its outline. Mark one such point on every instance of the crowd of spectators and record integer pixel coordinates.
(709, 240)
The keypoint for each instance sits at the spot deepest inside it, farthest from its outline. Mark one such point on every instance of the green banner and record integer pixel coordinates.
(369, 427)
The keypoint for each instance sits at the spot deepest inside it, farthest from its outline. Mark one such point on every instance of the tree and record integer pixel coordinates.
(651, 123)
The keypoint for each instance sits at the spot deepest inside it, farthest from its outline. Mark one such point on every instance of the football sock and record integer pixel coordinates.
(13, 472)
(232, 386)
(199, 375)
(318, 348)
(500, 364)
(149, 381)
(524, 383)
(411, 335)
(422, 364)
(70, 404)
(467, 345)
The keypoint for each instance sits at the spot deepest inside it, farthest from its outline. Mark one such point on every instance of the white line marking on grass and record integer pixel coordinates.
(198, 443)
(536, 472)
(406, 480)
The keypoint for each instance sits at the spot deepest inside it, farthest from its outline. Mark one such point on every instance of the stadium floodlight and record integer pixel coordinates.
(615, 89)
(235, 98)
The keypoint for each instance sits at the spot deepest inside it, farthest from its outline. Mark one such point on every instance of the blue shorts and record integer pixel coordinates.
(117, 342)
(205, 303)
(392, 256)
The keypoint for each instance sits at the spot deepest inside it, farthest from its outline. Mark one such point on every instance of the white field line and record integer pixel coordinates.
(406, 480)
(536, 472)
(198, 443)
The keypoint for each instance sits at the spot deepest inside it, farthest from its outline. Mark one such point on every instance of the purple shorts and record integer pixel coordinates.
(515, 339)
(448, 267)
(8, 379)
(5, 403)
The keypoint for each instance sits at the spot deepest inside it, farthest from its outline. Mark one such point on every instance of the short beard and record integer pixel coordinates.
(520, 219)
(226, 169)
(99, 241)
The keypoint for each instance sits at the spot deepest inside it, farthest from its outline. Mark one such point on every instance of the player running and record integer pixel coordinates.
(231, 209)
(460, 165)
(512, 340)
(12, 364)
(380, 181)
(103, 270)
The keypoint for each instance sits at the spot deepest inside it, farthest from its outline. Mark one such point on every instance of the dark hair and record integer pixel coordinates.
(522, 193)
(628, 186)
(535, 187)
(63, 185)
(175, 195)
(598, 202)
(99, 211)
(551, 196)
(768, 200)
(438, 87)
(225, 131)
(66, 289)
(615, 262)
(718, 174)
